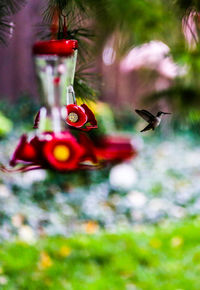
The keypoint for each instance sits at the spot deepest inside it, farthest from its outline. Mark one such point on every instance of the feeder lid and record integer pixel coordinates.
(60, 47)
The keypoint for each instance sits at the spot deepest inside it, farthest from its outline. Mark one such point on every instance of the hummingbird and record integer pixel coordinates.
(154, 121)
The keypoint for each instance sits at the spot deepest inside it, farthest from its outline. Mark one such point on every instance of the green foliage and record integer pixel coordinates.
(157, 189)
(180, 97)
(5, 125)
(125, 119)
(85, 83)
(164, 257)
(22, 113)
(186, 5)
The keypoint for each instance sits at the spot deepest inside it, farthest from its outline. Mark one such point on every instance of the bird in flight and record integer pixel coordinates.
(154, 121)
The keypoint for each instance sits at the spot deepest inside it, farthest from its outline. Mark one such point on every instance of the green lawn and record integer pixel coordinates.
(164, 257)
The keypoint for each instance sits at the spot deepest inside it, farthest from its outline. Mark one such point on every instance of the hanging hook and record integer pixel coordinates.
(64, 15)
(71, 98)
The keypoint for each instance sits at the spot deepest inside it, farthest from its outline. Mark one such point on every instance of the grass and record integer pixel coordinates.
(162, 257)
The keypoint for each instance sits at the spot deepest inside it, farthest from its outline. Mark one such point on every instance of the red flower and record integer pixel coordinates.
(78, 116)
(24, 152)
(63, 152)
(91, 118)
(115, 149)
(56, 151)
(89, 149)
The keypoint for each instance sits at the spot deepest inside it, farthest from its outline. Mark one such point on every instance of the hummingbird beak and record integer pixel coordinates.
(166, 113)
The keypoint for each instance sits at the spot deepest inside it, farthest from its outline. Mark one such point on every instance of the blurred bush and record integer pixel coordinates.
(21, 113)
(5, 125)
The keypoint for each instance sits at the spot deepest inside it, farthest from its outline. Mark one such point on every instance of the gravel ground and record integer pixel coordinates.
(161, 183)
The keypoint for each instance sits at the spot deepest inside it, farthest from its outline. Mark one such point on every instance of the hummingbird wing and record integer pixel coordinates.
(148, 127)
(147, 116)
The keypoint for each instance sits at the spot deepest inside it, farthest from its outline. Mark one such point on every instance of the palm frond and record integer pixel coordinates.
(8, 8)
(5, 28)
(86, 82)
(77, 24)
(83, 90)
(12, 6)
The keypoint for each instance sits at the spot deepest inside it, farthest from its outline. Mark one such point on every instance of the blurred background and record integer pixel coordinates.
(131, 225)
